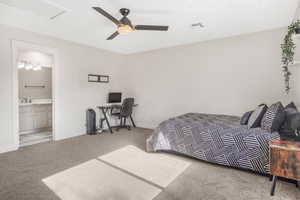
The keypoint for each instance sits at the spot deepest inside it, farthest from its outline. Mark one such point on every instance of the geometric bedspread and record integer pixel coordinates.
(217, 139)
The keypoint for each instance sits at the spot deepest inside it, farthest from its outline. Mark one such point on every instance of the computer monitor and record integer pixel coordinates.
(115, 97)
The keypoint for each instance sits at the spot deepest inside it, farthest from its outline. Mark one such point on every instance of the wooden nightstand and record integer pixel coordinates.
(284, 161)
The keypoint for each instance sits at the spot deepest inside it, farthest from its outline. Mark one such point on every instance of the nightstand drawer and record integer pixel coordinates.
(285, 163)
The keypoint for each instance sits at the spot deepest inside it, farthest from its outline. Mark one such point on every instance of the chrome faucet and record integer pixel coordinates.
(23, 100)
(26, 100)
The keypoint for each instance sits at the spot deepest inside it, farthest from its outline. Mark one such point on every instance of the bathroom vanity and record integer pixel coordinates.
(35, 116)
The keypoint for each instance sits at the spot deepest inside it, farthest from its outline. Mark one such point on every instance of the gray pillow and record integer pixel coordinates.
(273, 118)
(291, 105)
(295, 121)
(256, 116)
(291, 122)
(245, 118)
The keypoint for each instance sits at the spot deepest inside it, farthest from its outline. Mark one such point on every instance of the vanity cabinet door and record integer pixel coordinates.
(41, 116)
(25, 109)
(40, 120)
(26, 122)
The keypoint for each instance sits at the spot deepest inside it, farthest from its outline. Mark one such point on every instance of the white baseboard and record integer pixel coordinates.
(8, 148)
(67, 137)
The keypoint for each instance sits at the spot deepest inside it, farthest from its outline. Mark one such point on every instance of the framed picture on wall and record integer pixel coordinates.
(93, 78)
(98, 78)
(103, 79)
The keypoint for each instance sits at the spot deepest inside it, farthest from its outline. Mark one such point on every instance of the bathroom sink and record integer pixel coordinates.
(37, 102)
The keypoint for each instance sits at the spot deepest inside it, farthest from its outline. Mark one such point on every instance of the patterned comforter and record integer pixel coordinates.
(218, 139)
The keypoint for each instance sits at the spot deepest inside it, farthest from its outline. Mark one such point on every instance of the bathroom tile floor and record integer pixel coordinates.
(34, 138)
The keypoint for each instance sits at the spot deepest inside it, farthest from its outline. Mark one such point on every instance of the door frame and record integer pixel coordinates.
(16, 47)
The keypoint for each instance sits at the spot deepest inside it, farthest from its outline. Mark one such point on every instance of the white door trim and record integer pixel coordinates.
(20, 45)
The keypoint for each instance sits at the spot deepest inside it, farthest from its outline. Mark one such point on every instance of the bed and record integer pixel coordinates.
(217, 139)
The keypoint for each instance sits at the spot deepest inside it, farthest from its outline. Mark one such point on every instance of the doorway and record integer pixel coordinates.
(33, 93)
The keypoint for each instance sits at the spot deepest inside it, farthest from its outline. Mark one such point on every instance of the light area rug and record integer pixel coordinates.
(95, 180)
(158, 168)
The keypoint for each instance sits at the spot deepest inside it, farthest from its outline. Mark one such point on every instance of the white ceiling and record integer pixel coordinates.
(222, 18)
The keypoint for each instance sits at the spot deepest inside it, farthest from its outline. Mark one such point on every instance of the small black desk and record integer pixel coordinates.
(105, 108)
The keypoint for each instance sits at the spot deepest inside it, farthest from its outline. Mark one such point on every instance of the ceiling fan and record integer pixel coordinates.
(124, 25)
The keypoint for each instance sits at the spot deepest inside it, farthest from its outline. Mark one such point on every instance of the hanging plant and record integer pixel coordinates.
(288, 52)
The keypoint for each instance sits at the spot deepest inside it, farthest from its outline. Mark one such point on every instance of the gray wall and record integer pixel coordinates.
(226, 76)
(35, 78)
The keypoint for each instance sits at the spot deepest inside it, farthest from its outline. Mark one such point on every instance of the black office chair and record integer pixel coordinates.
(125, 113)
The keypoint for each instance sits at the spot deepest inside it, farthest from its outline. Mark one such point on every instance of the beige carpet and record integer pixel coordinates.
(158, 168)
(21, 171)
(95, 180)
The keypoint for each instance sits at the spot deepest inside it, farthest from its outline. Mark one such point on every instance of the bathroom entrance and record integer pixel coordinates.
(34, 94)
(35, 97)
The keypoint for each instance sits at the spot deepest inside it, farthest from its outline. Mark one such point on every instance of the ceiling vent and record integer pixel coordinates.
(199, 24)
(43, 8)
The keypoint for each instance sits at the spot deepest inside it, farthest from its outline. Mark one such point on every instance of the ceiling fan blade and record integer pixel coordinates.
(107, 15)
(151, 28)
(115, 34)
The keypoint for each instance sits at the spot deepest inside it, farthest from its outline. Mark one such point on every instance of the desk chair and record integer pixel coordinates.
(125, 113)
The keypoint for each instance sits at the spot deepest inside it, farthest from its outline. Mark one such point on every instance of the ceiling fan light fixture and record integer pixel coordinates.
(199, 24)
(125, 29)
